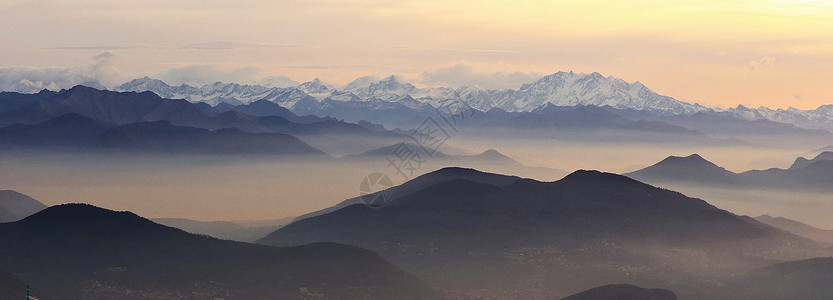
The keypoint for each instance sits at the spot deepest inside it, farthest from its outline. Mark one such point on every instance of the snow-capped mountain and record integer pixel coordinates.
(213, 94)
(572, 89)
(819, 118)
(393, 94)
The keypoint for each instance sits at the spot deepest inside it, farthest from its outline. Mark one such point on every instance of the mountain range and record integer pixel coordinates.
(806, 175)
(84, 116)
(78, 251)
(472, 232)
(395, 96)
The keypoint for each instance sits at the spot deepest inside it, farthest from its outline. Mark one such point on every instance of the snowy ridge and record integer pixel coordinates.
(560, 89)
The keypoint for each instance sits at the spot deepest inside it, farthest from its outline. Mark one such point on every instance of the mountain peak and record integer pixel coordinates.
(594, 176)
(802, 162)
(79, 215)
(692, 167)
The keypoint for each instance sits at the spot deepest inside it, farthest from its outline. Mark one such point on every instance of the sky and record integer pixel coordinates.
(773, 53)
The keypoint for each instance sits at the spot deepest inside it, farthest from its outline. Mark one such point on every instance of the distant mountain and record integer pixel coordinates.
(693, 168)
(80, 115)
(79, 251)
(162, 136)
(522, 237)
(12, 100)
(400, 99)
(268, 108)
(220, 229)
(580, 89)
(106, 106)
(798, 228)
(803, 162)
(623, 292)
(15, 206)
(799, 280)
(821, 117)
(550, 118)
(70, 130)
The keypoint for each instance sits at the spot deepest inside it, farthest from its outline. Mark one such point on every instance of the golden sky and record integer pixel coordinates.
(720, 53)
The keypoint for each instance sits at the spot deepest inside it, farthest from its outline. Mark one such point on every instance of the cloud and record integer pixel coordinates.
(225, 45)
(198, 75)
(99, 73)
(764, 63)
(493, 76)
(97, 47)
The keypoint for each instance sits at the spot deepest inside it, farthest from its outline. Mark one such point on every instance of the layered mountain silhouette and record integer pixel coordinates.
(78, 251)
(815, 176)
(420, 183)
(690, 168)
(802, 162)
(75, 116)
(623, 292)
(798, 228)
(162, 136)
(454, 225)
(15, 206)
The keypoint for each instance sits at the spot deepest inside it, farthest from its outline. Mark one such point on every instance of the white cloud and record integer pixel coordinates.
(764, 62)
(492, 76)
(199, 75)
(99, 73)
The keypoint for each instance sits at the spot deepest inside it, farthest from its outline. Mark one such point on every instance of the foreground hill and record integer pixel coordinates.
(527, 238)
(80, 251)
(623, 292)
(15, 206)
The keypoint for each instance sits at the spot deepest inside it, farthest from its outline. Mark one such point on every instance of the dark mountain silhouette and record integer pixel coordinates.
(162, 136)
(12, 100)
(325, 127)
(80, 251)
(690, 168)
(423, 182)
(816, 177)
(123, 108)
(15, 206)
(108, 107)
(802, 162)
(70, 130)
(799, 280)
(582, 230)
(798, 228)
(264, 108)
(623, 292)
(554, 117)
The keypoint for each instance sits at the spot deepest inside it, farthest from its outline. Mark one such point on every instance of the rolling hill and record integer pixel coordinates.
(80, 251)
